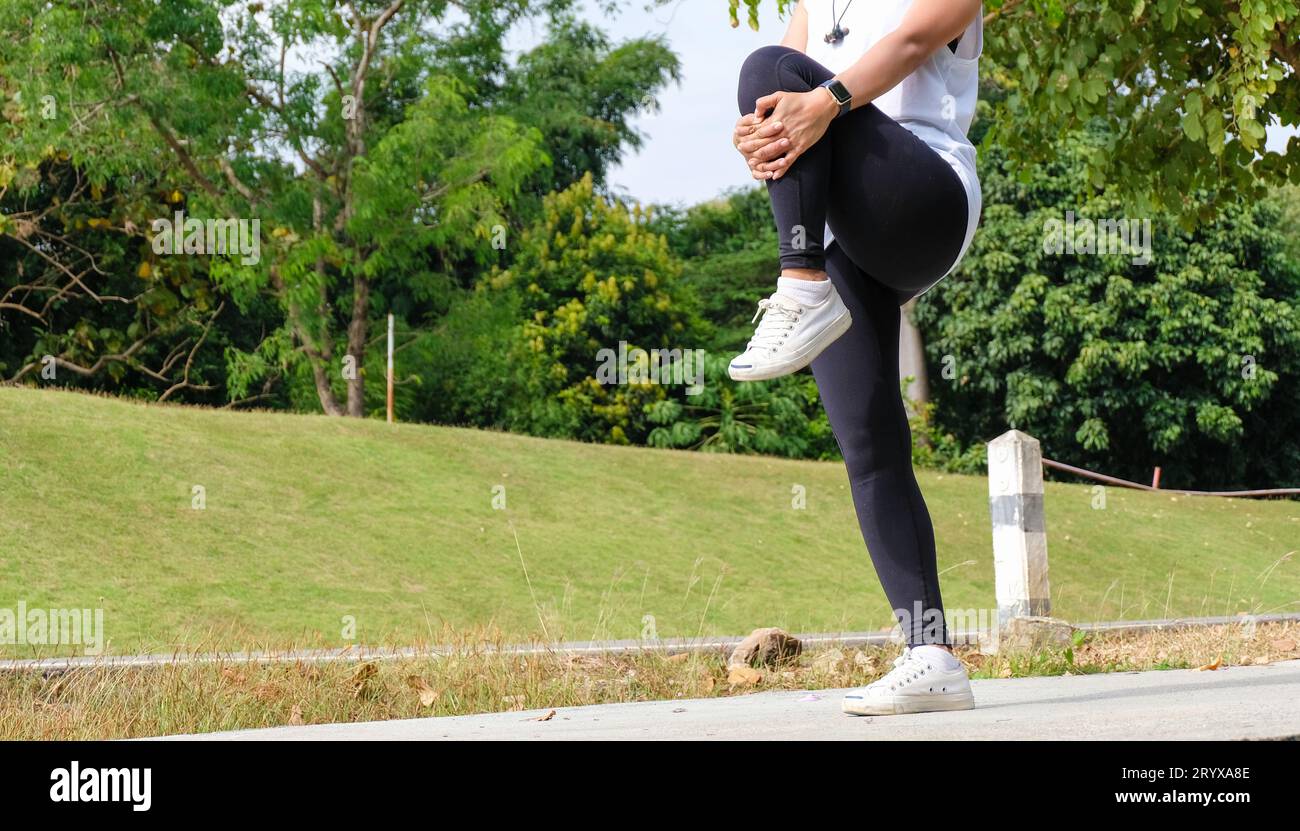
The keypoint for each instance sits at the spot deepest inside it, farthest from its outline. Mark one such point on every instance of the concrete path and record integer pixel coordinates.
(1234, 703)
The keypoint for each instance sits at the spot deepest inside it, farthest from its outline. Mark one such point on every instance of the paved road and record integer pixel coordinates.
(1233, 703)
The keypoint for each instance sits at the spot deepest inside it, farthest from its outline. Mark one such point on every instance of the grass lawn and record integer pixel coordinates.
(311, 522)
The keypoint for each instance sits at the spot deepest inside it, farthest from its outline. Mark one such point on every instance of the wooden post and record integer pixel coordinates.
(1019, 527)
(1155, 478)
(390, 369)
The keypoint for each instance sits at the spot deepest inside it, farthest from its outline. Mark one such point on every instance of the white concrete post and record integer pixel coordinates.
(1019, 529)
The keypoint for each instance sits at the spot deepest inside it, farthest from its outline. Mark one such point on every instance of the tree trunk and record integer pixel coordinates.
(911, 358)
(357, 331)
(318, 354)
(329, 402)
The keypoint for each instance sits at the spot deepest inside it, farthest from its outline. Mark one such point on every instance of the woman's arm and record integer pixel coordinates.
(805, 116)
(796, 34)
(925, 29)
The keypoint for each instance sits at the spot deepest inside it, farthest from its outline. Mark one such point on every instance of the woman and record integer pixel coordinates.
(857, 122)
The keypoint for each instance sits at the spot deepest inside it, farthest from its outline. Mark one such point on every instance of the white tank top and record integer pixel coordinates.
(936, 102)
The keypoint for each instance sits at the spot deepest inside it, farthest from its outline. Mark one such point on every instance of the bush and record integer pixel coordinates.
(459, 373)
(588, 276)
(781, 417)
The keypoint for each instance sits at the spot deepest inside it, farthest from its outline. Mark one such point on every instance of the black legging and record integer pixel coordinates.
(898, 214)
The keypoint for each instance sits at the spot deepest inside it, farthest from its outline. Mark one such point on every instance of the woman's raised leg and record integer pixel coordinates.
(799, 197)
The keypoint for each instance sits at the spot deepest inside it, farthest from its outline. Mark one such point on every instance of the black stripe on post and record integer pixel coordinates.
(1018, 510)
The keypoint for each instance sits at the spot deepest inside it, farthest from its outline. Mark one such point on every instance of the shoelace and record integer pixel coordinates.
(779, 318)
(907, 668)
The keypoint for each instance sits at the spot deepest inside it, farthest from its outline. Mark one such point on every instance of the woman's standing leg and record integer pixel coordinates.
(898, 211)
(857, 377)
(899, 215)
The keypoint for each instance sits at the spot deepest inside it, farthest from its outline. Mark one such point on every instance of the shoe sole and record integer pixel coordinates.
(909, 704)
(809, 354)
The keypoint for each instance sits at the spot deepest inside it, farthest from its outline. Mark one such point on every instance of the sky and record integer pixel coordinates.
(687, 156)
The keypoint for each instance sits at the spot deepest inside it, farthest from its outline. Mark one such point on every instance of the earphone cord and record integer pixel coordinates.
(836, 20)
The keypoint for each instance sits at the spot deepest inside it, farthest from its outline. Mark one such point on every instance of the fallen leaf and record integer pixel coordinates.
(359, 678)
(1262, 660)
(1218, 662)
(428, 694)
(546, 717)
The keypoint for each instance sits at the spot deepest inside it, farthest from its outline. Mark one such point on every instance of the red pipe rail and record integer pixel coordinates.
(1124, 483)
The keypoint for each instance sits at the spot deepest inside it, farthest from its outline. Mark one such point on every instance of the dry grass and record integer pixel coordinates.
(100, 703)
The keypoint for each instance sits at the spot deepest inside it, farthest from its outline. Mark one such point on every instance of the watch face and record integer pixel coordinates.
(840, 92)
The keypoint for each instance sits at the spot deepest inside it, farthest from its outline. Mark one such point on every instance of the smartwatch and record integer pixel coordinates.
(841, 95)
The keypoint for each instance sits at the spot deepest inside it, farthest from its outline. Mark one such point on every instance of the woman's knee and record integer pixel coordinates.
(764, 59)
(865, 459)
(761, 74)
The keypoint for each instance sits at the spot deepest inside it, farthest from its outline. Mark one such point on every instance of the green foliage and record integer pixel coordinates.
(1190, 362)
(1184, 89)
(382, 169)
(934, 448)
(783, 417)
(589, 275)
(729, 251)
(79, 288)
(459, 372)
(1289, 198)
(581, 92)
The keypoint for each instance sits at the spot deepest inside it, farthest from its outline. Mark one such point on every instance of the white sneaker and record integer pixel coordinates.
(916, 684)
(790, 336)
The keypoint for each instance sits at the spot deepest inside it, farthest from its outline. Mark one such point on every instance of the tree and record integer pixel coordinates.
(78, 305)
(1188, 359)
(728, 249)
(355, 133)
(581, 93)
(593, 284)
(358, 162)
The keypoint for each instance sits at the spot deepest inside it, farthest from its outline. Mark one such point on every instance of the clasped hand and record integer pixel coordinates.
(795, 121)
